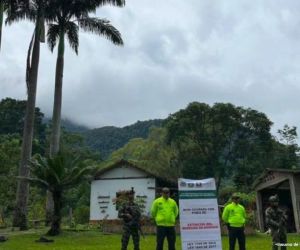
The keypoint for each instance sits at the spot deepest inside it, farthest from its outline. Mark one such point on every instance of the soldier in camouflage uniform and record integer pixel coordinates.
(276, 220)
(130, 213)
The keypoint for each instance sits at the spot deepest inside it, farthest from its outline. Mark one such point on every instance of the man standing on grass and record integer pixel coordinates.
(276, 220)
(165, 210)
(234, 215)
(131, 215)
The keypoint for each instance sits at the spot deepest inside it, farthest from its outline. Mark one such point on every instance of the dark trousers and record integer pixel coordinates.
(278, 237)
(134, 232)
(161, 233)
(236, 233)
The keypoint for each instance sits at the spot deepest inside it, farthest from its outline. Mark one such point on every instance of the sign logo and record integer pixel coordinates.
(182, 184)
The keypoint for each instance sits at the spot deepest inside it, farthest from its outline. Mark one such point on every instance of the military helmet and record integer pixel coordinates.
(273, 198)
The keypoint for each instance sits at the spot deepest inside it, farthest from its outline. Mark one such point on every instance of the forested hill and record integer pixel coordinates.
(108, 139)
(68, 125)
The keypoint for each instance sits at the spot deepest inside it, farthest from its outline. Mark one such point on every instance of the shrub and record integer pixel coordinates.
(82, 214)
(225, 194)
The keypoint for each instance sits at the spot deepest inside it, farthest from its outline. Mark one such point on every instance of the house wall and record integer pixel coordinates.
(103, 192)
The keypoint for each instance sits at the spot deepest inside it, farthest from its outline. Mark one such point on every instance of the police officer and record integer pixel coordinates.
(130, 213)
(276, 220)
(165, 210)
(234, 215)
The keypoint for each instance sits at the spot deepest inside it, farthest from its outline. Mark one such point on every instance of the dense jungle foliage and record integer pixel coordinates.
(108, 139)
(232, 144)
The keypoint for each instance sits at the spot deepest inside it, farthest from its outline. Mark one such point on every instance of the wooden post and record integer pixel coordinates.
(294, 202)
(260, 211)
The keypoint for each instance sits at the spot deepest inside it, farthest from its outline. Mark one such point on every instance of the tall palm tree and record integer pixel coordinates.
(57, 174)
(70, 17)
(32, 10)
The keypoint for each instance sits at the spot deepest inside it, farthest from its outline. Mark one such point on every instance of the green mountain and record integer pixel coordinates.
(108, 139)
(70, 126)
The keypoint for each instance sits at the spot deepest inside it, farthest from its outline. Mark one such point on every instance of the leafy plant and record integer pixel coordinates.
(57, 174)
(82, 214)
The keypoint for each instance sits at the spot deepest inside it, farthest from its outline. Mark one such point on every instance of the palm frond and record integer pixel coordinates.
(78, 174)
(118, 3)
(75, 170)
(12, 5)
(72, 35)
(35, 181)
(87, 6)
(44, 168)
(38, 166)
(9, 6)
(101, 27)
(51, 11)
(53, 177)
(28, 12)
(57, 167)
(52, 36)
(60, 171)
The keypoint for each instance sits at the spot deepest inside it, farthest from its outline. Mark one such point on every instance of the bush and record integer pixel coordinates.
(36, 211)
(248, 200)
(225, 194)
(82, 215)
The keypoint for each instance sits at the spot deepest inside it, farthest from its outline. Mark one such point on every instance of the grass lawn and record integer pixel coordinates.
(93, 240)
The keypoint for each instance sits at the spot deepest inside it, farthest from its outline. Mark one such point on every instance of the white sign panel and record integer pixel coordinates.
(199, 215)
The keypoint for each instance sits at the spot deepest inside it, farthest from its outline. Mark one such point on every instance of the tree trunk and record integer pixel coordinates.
(218, 182)
(20, 213)
(49, 208)
(1, 19)
(56, 117)
(56, 219)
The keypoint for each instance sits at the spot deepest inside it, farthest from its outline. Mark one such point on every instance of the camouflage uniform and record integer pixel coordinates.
(131, 225)
(276, 220)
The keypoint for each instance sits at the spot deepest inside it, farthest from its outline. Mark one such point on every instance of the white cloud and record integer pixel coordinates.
(176, 52)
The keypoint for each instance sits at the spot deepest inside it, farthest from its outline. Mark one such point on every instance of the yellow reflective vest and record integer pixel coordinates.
(234, 214)
(164, 211)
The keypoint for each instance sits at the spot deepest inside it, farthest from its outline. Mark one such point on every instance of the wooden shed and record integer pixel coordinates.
(286, 184)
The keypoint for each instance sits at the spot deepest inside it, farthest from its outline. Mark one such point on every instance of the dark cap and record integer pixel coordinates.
(235, 196)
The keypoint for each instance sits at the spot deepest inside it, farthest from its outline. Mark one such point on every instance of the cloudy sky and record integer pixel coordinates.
(246, 52)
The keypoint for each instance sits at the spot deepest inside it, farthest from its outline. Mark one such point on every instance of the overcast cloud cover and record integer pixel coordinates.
(246, 52)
